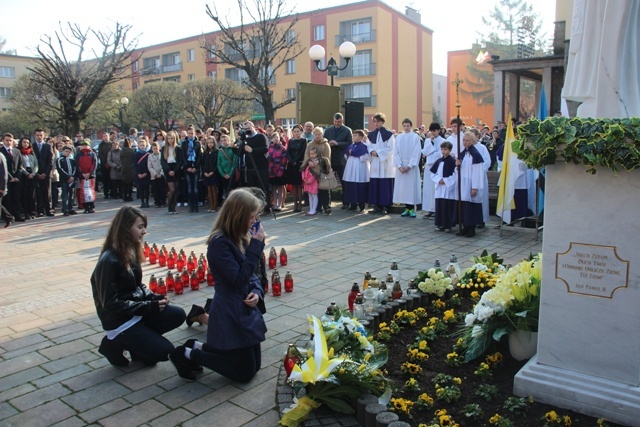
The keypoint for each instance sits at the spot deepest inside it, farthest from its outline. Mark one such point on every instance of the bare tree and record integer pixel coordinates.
(157, 105)
(75, 81)
(33, 105)
(262, 44)
(212, 102)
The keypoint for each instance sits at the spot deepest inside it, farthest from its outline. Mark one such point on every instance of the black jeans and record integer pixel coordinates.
(145, 338)
(240, 364)
(160, 191)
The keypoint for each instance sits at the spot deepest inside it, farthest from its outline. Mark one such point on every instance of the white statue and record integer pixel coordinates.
(604, 58)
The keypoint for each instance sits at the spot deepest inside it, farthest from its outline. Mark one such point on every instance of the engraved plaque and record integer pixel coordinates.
(594, 270)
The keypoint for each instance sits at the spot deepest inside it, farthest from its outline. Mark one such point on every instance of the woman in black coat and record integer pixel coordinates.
(133, 318)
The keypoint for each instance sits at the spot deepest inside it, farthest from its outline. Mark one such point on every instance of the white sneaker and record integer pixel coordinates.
(179, 205)
(200, 204)
(185, 204)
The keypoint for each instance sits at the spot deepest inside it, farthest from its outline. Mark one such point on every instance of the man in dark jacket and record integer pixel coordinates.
(103, 151)
(255, 147)
(3, 191)
(13, 162)
(339, 137)
(44, 154)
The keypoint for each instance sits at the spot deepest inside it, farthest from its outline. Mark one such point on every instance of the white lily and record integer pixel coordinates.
(319, 366)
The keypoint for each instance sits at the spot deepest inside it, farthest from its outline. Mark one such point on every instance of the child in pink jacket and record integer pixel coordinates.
(310, 181)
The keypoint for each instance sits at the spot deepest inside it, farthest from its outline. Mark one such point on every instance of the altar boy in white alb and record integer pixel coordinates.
(472, 188)
(381, 142)
(406, 157)
(431, 152)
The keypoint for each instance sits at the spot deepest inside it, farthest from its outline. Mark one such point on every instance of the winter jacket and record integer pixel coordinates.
(127, 158)
(118, 292)
(113, 159)
(154, 165)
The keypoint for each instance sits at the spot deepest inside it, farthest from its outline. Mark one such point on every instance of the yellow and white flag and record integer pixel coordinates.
(508, 176)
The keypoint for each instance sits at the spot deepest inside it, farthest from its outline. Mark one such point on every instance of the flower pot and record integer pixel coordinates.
(523, 344)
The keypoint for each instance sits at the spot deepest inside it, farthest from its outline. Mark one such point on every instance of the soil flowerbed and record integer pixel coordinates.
(502, 375)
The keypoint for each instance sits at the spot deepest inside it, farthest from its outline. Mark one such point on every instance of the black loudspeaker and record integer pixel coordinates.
(354, 114)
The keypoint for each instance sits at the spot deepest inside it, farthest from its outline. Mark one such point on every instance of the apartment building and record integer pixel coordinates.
(391, 71)
(11, 68)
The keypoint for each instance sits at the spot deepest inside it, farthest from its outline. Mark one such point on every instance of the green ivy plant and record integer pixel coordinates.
(609, 143)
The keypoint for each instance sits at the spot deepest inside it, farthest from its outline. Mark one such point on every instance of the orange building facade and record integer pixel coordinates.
(391, 71)
(474, 110)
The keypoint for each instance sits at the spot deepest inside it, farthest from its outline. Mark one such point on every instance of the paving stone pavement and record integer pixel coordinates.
(52, 374)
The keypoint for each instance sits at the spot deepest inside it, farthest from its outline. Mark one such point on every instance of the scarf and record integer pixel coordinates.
(25, 151)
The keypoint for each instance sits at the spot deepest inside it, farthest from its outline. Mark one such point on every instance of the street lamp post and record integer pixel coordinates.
(347, 51)
(124, 101)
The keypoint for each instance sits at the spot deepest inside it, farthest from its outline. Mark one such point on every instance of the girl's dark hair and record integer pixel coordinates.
(325, 165)
(22, 139)
(119, 238)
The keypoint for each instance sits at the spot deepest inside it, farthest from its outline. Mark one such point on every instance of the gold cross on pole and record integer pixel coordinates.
(457, 82)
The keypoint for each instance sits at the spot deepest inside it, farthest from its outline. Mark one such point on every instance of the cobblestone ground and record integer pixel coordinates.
(52, 374)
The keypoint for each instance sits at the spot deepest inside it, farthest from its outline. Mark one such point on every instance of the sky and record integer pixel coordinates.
(455, 23)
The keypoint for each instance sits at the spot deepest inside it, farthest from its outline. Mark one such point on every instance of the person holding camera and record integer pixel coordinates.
(253, 148)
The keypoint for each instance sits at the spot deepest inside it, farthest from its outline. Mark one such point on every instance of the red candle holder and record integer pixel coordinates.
(162, 287)
(200, 272)
(276, 288)
(171, 261)
(170, 281)
(203, 260)
(283, 257)
(210, 281)
(162, 259)
(178, 287)
(191, 264)
(195, 283)
(288, 282)
(153, 284)
(185, 278)
(180, 263)
(146, 249)
(153, 257)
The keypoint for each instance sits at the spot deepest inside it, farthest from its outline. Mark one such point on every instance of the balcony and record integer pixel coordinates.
(172, 68)
(368, 102)
(149, 71)
(356, 38)
(368, 70)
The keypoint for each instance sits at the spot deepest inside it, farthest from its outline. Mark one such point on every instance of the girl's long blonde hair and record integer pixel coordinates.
(176, 140)
(233, 219)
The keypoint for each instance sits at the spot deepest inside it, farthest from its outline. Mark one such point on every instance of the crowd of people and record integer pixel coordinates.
(243, 177)
(192, 168)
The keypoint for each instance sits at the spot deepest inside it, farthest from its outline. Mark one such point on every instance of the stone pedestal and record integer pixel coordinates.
(588, 344)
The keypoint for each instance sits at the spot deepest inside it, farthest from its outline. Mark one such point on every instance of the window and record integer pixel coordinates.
(171, 62)
(9, 72)
(318, 32)
(212, 54)
(291, 36)
(361, 64)
(288, 123)
(172, 79)
(135, 66)
(192, 77)
(361, 30)
(151, 65)
(270, 75)
(191, 55)
(5, 92)
(290, 93)
(360, 92)
(235, 74)
(213, 74)
(291, 66)
(121, 87)
(135, 86)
